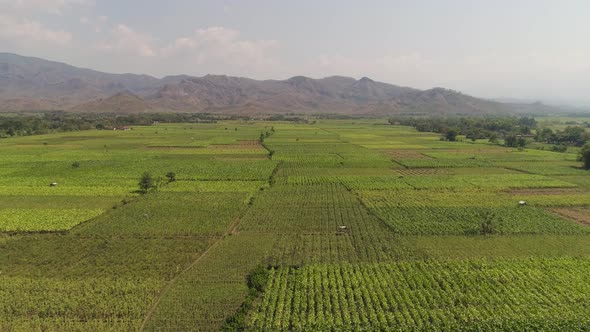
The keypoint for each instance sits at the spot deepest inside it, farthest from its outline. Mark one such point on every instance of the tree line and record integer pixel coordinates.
(512, 129)
(26, 124)
(515, 131)
(491, 128)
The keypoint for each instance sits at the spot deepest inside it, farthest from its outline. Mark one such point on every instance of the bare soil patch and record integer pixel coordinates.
(423, 171)
(545, 191)
(477, 151)
(236, 146)
(249, 142)
(175, 147)
(578, 214)
(407, 154)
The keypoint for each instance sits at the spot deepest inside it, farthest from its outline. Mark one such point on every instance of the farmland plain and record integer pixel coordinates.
(360, 225)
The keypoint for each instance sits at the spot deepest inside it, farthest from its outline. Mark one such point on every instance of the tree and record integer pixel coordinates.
(527, 122)
(451, 135)
(488, 223)
(511, 141)
(258, 278)
(146, 183)
(559, 148)
(493, 138)
(585, 156)
(573, 135)
(544, 135)
(171, 176)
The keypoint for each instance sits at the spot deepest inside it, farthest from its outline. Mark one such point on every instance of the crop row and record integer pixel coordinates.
(308, 220)
(214, 186)
(470, 295)
(470, 221)
(34, 220)
(58, 304)
(546, 168)
(389, 182)
(171, 214)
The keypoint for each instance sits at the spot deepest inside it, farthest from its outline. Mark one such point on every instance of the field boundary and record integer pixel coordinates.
(231, 229)
(573, 215)
(171, 283)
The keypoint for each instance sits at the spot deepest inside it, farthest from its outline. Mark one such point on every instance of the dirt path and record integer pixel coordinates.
(231, 229)
(171, 283)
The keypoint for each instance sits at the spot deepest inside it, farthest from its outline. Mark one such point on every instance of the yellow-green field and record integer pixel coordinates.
(359, 225)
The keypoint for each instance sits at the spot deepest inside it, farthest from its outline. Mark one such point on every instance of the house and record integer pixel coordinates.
(122, 128)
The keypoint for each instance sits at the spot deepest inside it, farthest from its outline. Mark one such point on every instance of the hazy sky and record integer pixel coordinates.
(534, 49)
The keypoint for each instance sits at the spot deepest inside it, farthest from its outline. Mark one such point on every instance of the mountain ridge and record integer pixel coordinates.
(29, 83)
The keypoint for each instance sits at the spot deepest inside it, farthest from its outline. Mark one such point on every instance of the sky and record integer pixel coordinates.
(524, 49)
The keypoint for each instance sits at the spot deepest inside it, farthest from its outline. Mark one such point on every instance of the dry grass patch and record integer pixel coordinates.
(423, 171)
(406, 154)
(578, 214)
(545, 191)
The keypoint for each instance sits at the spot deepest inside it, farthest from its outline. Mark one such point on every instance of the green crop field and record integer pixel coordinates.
(331, 225)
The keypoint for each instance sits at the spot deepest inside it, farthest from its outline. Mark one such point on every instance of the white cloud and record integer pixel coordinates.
(27, 32)
(182, 45)
(48, 6)
(220, 47)
(217, 34)
(124, 40)
(97, 24)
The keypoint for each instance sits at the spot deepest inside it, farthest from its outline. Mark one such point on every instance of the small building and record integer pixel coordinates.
(124, 128)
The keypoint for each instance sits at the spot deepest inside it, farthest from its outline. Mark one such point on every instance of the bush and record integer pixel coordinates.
(171, 176)
(258, 278)
(146, 183)
(559, 148)
(585, 155)
(451, 135)
(488, 224)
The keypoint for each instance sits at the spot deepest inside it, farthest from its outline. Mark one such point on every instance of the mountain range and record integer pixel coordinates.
(28, 84)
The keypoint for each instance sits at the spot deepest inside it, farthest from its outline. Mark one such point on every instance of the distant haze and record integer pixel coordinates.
(526, 49)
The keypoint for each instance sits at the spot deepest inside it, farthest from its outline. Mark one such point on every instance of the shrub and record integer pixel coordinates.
(258, 278)
(171, 176)
(146, 183)
(585, 156)
(488, 224)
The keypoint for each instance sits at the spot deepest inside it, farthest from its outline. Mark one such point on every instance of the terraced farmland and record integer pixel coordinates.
(356, 225)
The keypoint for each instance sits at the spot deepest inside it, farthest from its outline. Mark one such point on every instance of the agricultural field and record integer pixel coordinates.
(332, 225)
